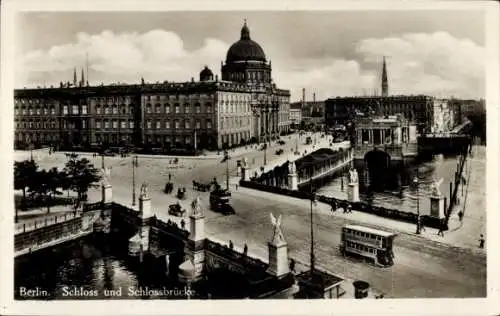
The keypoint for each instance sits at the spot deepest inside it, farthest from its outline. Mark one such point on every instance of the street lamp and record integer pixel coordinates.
(226, 158)
(416, 182)
(135, 163)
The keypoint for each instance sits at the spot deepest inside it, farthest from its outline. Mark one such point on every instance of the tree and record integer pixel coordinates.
(24, 175)
(82, 175)
(54, 182)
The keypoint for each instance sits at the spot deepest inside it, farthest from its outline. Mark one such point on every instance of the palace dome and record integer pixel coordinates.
(206, 74)
(245, 49)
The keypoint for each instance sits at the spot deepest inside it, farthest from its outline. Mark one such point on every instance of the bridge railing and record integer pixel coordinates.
(235, 256)
(34, 224)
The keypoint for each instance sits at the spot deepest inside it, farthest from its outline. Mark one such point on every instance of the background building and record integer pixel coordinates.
(246, 106)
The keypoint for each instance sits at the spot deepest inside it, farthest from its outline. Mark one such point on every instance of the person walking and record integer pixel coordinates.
(334, 206)
(460, 216)
(231, 245)
(236, 186)
(481, 241)
(441, 230)
(245, 249)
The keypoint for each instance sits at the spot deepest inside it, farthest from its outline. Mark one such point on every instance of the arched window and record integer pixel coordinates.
(124, 109)
(115, 109)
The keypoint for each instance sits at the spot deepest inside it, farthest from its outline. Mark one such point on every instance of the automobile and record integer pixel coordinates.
(226, 209)
(176, 210)
(279, 151)
(108, 153)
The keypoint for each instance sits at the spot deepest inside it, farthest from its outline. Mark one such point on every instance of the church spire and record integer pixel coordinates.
(74, 77)
(245, 32)
(385, 85)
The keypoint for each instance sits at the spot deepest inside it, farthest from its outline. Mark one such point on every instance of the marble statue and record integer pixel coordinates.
(353, 176)
(435, 187)
(105, 174)
(144, 189)
(277, 234)
(245, 162)
(291, 167)
(196, 206)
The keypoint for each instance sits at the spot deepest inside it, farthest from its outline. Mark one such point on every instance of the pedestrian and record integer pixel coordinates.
(441, 230)
(481, 241)
(460, 216)
(349, 208)
(421, 223)
(183, 224)
(245, 249)
(345, 208)
(236, 186)
(231, 245)
(334, 206)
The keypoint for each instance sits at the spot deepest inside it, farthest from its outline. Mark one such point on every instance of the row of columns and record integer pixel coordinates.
(311, 171)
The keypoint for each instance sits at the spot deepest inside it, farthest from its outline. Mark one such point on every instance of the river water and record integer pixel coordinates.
(440, 167)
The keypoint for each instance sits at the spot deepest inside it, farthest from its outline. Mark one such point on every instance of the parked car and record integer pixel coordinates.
(176, 210)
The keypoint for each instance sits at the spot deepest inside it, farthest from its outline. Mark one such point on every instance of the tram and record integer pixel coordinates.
(372, 244)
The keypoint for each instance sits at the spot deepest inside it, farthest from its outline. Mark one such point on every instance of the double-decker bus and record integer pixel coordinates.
(372, 244)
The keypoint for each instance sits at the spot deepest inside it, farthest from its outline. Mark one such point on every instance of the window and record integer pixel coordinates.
(158, 109)
(186, 108)
(124, 109)
(115, 109)
(197, 108)
(148, 124)
(187, 124)
(198, 124)
(123, 124)
(188, 140)
(98, 110)
(167, 108)
(148, 108)
(38, 111)
(115, 124)
(16, 111)
(177, 108)
(167, 124)
(45, 111)
(65, 110)
(106, 109)
(106, 124)
(131, 124)
(97, 124)
(208, 107)
(158, 124)
(209, 123)
(84, 124)
(177, 124)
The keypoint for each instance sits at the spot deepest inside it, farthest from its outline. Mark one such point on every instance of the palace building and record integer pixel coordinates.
(245, 106)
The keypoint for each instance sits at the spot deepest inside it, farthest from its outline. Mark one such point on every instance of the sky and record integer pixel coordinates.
(329, 53)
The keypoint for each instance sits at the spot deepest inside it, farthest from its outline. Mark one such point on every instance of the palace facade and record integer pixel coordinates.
(245, 106)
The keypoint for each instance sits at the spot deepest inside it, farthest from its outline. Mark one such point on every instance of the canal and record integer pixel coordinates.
(439, 167)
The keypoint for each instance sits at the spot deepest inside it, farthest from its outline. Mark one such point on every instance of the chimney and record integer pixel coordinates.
(303, 95)
(314, 97)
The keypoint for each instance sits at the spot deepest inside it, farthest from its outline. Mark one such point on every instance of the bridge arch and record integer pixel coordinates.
(378, 167)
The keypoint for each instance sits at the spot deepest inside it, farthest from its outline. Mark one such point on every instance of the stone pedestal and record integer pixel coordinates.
(107, 193)
(195, 245)
(353, 192)
(278, 259)
(145, 206)
(245, 173)
(293, 183)
(438, 207)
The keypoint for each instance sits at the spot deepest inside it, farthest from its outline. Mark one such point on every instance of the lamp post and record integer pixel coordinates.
(416, 182)
(135, 163)
(312, 263)
(226, 158)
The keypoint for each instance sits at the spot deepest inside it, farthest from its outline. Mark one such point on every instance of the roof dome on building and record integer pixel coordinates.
(206, 74)
(245, 49)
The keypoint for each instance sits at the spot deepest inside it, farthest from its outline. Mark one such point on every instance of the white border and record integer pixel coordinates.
(247, 307)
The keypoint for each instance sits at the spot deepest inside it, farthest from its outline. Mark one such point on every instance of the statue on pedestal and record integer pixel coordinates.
(244, 163)
(291, 167)
(196, 206)
(435, 187)
(277, 234)
(353, 176)
(105, 174)
(144, 190)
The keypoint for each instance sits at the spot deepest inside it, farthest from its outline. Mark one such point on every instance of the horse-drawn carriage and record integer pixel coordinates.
(176, 210)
